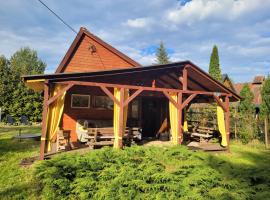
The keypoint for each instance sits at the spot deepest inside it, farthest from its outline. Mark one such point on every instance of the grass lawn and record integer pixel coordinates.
(135, 173)
(16, 182)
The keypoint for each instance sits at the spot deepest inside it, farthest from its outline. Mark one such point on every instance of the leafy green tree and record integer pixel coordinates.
(214, 67)
(246, 105)
(162, 55)
(266, 96)
(248, 129)
(5, 86)
(16, 99)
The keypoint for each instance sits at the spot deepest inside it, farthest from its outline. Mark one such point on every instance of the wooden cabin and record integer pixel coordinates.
(98, 88)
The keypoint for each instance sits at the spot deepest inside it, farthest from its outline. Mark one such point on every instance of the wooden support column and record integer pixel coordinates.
(227, 119)
(185, 77)
(121, 119)
(44, 120)
(180, 127)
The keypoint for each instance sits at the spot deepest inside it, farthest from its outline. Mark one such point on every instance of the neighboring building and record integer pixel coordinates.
(227, 82)
(255, 87)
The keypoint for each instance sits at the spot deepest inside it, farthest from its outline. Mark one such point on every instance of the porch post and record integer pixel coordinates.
(227, 119)
(44, 120)
(121, 119)
(185, 77)
(179, 113)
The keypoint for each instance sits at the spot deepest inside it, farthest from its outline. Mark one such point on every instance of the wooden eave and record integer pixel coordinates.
(165, 76)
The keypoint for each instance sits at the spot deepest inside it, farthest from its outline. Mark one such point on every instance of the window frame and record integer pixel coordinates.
(101, 108)
(78, 107)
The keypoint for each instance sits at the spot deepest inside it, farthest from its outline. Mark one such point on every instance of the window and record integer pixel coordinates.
(103, 102)
(80, 101)
(135, 109)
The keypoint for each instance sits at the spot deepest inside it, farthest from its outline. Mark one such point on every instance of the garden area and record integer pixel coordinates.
(137, 172)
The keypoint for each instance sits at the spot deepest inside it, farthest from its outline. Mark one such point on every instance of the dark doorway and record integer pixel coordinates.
(154, 111)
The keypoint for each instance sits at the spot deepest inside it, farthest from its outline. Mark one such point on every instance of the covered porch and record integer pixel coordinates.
(163, 94)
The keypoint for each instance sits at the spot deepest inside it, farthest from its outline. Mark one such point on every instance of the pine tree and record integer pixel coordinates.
(162, 55)
(214, 67)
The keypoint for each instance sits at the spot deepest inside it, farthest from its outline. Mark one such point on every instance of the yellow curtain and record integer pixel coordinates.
(174, 122)
(221, 125)
(185, 127)
(116, 116)
(54, 115)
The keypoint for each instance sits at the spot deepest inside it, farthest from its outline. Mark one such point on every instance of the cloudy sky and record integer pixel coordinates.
(189, 29)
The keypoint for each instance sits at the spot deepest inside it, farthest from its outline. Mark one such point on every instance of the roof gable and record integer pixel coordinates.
(89, 53)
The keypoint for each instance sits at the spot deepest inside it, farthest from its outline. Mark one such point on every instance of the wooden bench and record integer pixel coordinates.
(203, 133)
(105, 136)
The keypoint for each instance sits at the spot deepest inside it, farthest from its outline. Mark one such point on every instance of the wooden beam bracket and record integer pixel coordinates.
(220, 103)
(133, 96)
(107, 91)
(188, 100)
(178, 106)
(60, 93)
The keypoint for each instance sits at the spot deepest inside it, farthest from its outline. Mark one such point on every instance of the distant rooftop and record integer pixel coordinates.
(258, 79)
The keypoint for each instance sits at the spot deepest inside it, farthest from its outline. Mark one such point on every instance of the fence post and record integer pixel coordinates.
(266, 131)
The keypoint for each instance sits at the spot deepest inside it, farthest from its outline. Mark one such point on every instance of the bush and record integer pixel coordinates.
(142, 173)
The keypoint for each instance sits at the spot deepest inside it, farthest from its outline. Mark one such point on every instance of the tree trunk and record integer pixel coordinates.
(266, 131)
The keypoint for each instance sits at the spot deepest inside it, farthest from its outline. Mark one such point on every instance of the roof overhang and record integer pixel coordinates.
(165, 76)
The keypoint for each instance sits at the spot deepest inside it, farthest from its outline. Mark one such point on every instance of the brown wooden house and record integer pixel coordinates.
(97, 86)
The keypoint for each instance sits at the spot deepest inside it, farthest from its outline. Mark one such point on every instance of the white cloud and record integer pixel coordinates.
(199, 10)
(240, 29)
(138, 22)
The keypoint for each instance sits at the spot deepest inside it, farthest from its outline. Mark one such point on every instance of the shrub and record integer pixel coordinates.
(143, 173)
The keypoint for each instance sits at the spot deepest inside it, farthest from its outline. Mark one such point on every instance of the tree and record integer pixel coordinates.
(265, 92)
(162, 55)
(5, 86)
(248, 129)
(246, 105)
(265, 107)
(16, 98)
(214, 67)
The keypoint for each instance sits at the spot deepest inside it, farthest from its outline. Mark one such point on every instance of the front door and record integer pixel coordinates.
(154, 111)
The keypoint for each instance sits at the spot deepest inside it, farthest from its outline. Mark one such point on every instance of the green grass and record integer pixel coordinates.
(16, 182)
(134, 173)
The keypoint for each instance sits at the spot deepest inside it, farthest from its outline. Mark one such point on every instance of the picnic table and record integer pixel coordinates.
(105, 136)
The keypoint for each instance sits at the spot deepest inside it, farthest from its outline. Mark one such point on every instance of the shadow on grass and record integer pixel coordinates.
(10, 145)
(250, 177)
(18, 191)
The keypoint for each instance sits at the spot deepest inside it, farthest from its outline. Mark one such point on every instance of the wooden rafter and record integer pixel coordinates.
(167, 82)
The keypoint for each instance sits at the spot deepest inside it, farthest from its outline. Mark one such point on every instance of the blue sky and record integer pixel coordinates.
(189, 29)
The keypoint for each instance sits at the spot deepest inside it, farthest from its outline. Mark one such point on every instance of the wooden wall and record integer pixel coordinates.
(83, 60)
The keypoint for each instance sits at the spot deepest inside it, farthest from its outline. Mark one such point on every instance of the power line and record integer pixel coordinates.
(72, 29)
